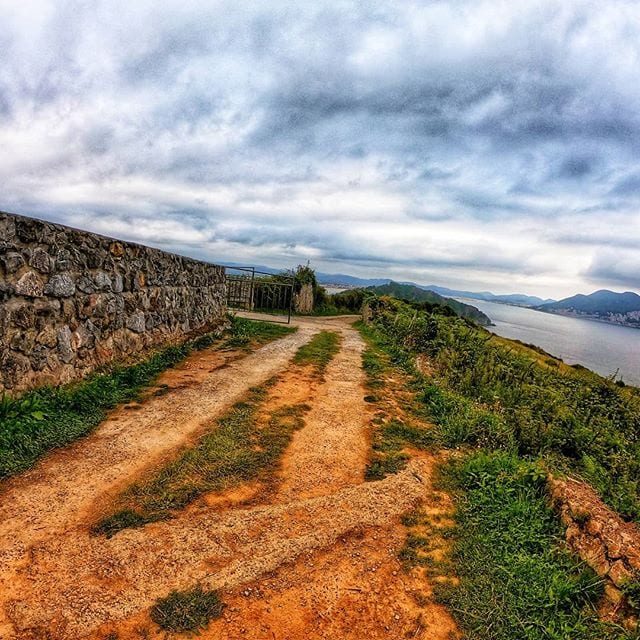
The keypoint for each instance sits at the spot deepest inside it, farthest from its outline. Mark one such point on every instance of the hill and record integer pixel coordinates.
(603, 305)
(414, 293)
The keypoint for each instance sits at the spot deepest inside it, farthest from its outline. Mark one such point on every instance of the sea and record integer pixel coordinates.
(607, 349)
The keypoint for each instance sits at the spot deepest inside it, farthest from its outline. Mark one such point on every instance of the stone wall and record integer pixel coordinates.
(71, 300)
(608, 544)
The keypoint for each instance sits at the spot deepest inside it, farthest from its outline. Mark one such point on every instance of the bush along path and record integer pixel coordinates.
(510, 414)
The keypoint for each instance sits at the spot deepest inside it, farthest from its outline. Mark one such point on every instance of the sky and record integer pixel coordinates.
(478, 145)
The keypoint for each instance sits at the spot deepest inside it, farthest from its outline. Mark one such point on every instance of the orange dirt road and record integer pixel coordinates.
(316, 559)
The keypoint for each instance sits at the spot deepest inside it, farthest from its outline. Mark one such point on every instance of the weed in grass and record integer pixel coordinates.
(319, 351)
(125, 519)
(187, 611)
(383, 465)
(411, 518)
(374, 367)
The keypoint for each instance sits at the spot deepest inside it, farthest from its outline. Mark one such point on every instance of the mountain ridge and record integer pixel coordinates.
(603, 305)
(415, 293)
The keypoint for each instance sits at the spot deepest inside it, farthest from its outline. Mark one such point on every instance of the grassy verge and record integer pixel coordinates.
(399, 421)
(497, 395)
(52, 417)
(515, 414)
(516, 580)
(246, 443)
(319, 351)
(187, 611)
(248, 334)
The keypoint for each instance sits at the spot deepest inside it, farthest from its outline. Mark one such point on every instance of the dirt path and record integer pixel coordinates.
(62, 490)
(81, 586)
(330, 453)
(319, 560)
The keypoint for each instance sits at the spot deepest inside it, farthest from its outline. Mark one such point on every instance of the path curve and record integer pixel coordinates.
(71, 591)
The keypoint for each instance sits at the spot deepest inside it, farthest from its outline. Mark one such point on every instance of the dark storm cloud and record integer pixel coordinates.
(623, 271)
(490, 141)
(575, 168)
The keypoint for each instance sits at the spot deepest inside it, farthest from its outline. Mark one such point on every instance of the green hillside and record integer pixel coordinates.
(416, 294)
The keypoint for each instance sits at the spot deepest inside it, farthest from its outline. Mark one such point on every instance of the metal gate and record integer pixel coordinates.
(252, 290)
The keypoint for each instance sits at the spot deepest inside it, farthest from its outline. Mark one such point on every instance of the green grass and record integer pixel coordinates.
(517, 581)
(319, 351)
(246, 333)
(498, 394)
(239, 448)
(511, 406)
(50, 417)
(187, 611)
(631, 590)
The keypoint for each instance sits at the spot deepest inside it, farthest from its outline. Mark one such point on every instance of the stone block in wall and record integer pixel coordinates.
(61, 285)
(7, 228)
(136, 322)
(40, 260)
(30, 285)
(12, 261)
(66, 352)
(15, 367)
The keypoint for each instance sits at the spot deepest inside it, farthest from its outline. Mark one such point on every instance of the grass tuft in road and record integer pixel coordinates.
(187, 611)
(319, 351)
(516, 579)
(241, 447)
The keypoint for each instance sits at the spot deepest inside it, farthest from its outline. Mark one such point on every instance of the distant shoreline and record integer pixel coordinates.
(584, 316)
(564, 314)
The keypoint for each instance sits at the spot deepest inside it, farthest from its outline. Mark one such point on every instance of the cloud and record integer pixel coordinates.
(613, 268)
(470, 143)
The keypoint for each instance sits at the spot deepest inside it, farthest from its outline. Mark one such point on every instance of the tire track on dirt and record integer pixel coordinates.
(330, 453)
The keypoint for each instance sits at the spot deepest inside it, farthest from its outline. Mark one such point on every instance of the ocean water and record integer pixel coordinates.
(603, 348)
